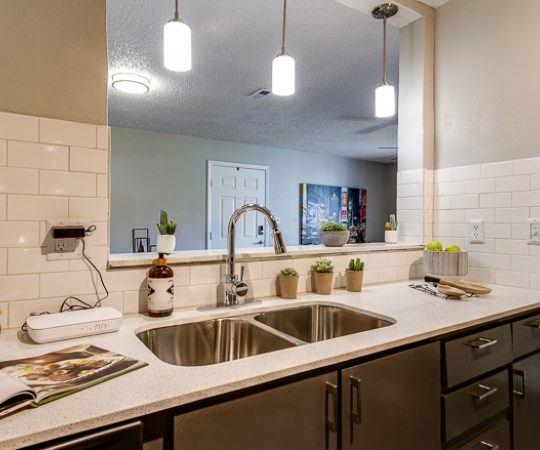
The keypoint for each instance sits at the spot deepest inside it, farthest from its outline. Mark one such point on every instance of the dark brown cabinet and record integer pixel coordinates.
(393, 402)
(301, 415)
(526, 394)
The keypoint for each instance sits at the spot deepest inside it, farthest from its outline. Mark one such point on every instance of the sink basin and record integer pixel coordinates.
(317, 322)
(210, 342)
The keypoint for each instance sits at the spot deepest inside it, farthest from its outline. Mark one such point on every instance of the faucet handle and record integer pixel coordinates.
(242, 273)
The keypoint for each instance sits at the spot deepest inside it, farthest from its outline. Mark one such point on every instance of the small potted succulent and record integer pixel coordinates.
(391, 230)
(354, 274)
(166, 240)
(323, 276)
(333, 234)
(288, 283)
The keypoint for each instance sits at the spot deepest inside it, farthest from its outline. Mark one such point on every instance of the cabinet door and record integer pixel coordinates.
(393, 402)
(298, 416)
(526, 393)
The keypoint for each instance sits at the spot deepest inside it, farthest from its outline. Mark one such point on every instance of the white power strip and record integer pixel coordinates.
(72, 324)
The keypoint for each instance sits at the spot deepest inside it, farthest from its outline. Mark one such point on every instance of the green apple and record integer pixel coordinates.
(434, 246)
(452, 248)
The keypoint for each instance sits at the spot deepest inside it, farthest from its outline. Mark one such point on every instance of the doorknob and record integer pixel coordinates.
(258, 243)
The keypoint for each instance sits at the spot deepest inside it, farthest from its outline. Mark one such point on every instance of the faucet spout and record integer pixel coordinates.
(235, 288)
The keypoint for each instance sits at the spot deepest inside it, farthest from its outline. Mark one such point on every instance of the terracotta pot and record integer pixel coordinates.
(334, 238)
(166, 243)
(288, 286)
(323, 282)
(354, 280)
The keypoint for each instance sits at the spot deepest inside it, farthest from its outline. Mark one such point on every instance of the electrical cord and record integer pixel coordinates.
(80, 304)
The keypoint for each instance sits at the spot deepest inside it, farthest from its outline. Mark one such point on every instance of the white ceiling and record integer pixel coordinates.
(338, 58)
(435, 3)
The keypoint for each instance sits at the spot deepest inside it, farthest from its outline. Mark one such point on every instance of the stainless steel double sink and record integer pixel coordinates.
(219, 340)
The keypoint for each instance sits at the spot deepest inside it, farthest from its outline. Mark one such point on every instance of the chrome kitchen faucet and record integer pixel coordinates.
(235, 287)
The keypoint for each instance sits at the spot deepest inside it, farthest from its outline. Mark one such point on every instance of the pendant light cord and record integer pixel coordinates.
(176, 14)
(385, 75)
(283, 49)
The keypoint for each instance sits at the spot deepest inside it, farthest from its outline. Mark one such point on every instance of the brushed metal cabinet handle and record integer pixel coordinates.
(331, 418)
(486, 392)
(516, 392)
(533, 323)
(490, 445)
(355, 412)
(481, 343)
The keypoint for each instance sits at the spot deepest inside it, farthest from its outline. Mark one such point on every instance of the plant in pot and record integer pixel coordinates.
(288, 283)
(333, 234)
(166, 240)
(391, 230)
(354, 274)
(323, 276)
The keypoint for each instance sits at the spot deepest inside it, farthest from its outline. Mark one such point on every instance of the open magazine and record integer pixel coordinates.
(42, 379)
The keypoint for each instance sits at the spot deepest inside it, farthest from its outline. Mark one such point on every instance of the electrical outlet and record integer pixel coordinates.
(65, 248)
(533, 232)
(476, 231)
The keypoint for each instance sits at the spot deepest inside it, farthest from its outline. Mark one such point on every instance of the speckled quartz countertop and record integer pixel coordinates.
(159, 386)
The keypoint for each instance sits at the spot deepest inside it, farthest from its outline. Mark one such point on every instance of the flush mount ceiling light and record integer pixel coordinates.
(177, 44)
(283, 69)
(131, 83)
(385, 96)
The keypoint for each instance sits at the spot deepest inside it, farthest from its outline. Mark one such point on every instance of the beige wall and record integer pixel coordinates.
(487, 67)
(54, 59)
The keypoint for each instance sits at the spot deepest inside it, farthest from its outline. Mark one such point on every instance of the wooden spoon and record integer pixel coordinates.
(450, 291)
(469, 288)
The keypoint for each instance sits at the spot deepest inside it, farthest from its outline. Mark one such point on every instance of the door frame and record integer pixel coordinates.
(209, 165)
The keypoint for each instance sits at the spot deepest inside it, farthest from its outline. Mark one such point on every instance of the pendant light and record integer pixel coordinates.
(385, 96)
(177, 44)
(283, 70)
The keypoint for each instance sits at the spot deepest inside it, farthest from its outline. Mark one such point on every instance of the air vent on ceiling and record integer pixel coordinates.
(260, 93)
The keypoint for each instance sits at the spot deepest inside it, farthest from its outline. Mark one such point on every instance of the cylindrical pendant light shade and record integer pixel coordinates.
(283, 75)
(385, 101)
(177, 46)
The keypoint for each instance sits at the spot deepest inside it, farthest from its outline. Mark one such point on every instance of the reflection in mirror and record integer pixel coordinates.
(201, 143)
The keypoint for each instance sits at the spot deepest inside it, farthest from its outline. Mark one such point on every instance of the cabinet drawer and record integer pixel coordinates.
(497, 437)
(477, 353)
(471, 405)
(526, 335)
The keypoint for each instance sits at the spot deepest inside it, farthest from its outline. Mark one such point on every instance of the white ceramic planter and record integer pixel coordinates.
(390, 237)
(166, 243)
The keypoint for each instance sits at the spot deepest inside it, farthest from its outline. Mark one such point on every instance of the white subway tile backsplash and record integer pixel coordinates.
(511, 215)
(18, 181)
(32, 260)
(135, 302)
(67, 283)
(519, 231)
(530, 198)
(509, 278)
(124, 280)
(450, 188)
(38, 156)
(4, 315)
(3, 206)
(102, 137)
(271, 269)
(443, 175)
(33, 207)
(409, 190)
(54, 131)
(204, 274)
(102, 185)
(94, 209)
(527, 166)
(481, 275)
(442, 202)
(3, 152)
(487, 247)
(511, 246)
(494, 261)
(497, 169)
(480, 186)
(19, 287)
(19, 234)
(487, 214)
(500, 200)
(410, 203)
(465, 172)
(410, 176)
(18, 127)
(3, 261)
(181, 275)
(526, 264)
(498, 230)
(464, 201)
(535, 182)
(88, 160)
(450, 216)
(67, 183)
(98, 254)
(513, 184)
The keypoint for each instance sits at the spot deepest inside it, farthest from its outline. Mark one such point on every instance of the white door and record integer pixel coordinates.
(231, 186)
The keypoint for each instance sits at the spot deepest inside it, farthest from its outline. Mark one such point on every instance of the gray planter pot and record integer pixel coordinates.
(334, 238)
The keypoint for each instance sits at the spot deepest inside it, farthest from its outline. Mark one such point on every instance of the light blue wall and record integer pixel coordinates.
(153, 171)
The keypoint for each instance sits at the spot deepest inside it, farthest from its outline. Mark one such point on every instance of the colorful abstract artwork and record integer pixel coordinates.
(344, 205)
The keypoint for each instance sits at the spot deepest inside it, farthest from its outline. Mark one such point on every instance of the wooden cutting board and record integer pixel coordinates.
(451, 291)
(469, 288)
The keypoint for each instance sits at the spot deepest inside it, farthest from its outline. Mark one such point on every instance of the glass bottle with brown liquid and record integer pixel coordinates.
(160, 281)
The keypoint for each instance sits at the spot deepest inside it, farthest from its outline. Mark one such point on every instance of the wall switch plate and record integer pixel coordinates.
(533, 232)
(476, 231)
(62, 249)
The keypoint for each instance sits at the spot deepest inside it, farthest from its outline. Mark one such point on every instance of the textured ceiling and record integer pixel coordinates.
(338, 62)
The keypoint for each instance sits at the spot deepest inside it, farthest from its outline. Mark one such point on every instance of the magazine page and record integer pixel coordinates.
(66, 371)
(13, 394)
